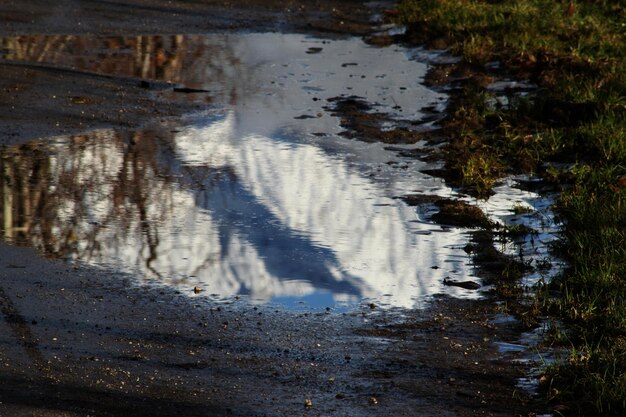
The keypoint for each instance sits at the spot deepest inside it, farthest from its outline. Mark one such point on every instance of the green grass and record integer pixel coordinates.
(529, 29)
(571, 132)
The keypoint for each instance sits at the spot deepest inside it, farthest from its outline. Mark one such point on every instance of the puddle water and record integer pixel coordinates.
(257, 196)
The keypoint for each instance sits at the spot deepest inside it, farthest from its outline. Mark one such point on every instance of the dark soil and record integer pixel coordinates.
(362, 122)
(451, 212)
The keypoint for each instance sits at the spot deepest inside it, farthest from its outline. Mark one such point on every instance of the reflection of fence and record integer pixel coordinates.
(191, 60)
(152, 57)
(174, 58)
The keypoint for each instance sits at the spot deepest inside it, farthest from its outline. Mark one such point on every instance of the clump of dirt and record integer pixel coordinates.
(363, 123)
(452, 212)
(459, 213)
(380, 39)
(468, 285)
(419, 199)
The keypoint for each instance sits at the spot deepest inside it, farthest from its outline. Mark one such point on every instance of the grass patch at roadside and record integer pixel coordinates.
(571, 131)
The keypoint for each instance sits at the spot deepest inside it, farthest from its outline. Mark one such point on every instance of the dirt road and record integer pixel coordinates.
(78, 341)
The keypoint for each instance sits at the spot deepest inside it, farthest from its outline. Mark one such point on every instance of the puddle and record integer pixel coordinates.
(514, 207)
(258, 196)
(283, 75)
(260, 217)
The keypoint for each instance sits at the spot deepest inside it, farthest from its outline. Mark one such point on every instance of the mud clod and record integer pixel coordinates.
(461, 214)
(468, 285)
(451, 212)
(363, 123)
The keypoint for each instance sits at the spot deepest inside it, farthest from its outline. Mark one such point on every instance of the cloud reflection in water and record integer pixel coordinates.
(258, 218)
(247, 198)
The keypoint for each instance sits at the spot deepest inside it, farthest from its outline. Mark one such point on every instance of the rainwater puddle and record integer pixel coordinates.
(257, 196)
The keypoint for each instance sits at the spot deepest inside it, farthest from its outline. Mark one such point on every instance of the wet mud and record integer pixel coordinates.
(451, 212)
(81, 341)
(84, 340)
(362, 122)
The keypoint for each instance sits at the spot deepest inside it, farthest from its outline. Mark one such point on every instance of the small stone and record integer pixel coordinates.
(308, 403)
(373, 401)
(468, 285)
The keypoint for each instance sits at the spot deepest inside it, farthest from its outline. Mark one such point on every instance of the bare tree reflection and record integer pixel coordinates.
(103, 177)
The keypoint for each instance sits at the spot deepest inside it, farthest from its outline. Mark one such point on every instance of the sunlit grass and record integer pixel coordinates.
(507, 28)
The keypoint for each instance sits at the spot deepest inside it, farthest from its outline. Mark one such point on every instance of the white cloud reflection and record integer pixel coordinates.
(250, 198)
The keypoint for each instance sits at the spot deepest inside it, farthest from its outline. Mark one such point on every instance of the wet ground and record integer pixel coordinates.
(78, 342)
(228, 234)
